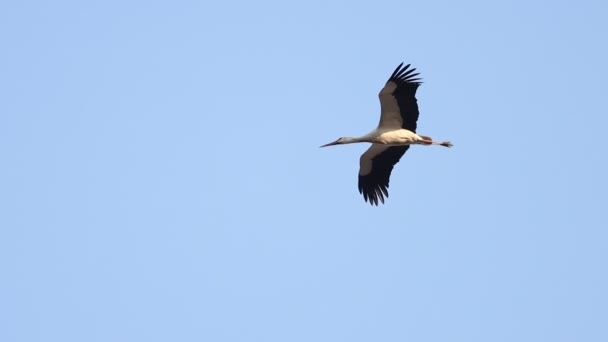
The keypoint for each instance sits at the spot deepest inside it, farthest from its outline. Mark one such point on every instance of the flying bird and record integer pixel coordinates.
(393, 136)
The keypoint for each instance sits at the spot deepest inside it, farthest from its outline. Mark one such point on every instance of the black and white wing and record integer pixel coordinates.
(375, 166)
(399, 108)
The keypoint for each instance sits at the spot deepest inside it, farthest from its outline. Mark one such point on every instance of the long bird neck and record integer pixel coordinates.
(352, 140)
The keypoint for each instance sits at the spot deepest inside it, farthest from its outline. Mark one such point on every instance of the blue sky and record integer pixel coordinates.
(161, 177)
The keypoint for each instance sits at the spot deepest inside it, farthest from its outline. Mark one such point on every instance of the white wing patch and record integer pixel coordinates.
(390, 114)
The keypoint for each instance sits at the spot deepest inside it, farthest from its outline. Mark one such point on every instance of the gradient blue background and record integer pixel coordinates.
(161, 178)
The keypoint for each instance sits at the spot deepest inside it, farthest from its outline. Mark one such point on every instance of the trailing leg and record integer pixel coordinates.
(429, 141)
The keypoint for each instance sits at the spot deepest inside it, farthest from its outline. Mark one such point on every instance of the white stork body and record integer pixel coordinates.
(394, 135)
(385, 136)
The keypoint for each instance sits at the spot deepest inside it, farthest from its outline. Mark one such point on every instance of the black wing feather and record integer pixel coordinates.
(374, 186)
(405, 94)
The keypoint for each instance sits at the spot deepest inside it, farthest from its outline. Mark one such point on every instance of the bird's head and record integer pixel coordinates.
(337, 142)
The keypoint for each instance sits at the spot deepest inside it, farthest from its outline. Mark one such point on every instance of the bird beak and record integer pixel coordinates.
(331, 143)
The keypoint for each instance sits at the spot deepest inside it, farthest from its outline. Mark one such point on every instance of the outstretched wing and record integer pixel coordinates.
(399, 108)
(375, 166)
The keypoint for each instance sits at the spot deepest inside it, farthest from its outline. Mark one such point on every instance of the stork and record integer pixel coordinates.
(393, 136)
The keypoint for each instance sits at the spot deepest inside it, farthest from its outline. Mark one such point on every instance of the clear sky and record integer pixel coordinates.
(161, 178)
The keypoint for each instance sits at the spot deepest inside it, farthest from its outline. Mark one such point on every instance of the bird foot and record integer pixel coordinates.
(446, 144)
